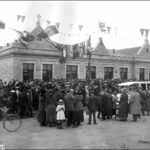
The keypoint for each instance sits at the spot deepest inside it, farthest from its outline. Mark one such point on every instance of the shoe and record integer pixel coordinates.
(89, 123)
(102, 119)
(95, 123)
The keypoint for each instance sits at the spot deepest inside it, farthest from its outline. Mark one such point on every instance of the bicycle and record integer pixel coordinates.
(11, 122)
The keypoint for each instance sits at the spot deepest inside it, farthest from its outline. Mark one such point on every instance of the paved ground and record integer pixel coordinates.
(109, 134)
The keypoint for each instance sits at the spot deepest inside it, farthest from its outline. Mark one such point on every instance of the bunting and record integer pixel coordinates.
(101, 25)
(142, 31)
(23, 18)
(80, 27)
(108, 29)
(48, 22)
(57, 24)
(71, 26)
(18, 17)
(2, 25)
(146, 32)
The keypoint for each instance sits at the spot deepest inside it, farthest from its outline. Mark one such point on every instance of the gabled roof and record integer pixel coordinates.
(100, 48)
(145, 49)
(43, 44)
(128, 51)
(51, 30)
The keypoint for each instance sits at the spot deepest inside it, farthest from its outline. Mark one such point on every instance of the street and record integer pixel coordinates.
(109, 134)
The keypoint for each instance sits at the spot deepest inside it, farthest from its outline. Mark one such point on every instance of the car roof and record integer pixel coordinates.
(131, 83)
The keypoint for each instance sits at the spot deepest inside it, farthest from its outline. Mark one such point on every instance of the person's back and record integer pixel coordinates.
(93, 103)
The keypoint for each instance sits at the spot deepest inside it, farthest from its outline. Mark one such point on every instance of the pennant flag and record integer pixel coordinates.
(58, 24)
(108, 29)
(115, 30)
(103, 30)
(80, 27)
(48, 22)
(71, 26)
(23, 18)
(142, 31)
(146, 31)
(2, 25)
(18, 17)
(101, 25)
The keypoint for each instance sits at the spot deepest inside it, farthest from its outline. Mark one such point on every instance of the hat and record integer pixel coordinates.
(61, 101)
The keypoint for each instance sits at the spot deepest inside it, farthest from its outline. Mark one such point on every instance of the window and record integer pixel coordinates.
(147, 50)
(123, 73)
(47, 72)
(142, 74)
(108, 73)
(92, 71)
(71, 72)
(28, 70)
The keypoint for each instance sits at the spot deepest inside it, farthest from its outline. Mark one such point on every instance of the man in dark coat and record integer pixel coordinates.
(106, 104)
(69, 107)
(92, 106)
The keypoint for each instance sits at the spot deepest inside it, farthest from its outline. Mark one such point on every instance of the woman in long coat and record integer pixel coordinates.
(147, 97)
(51, 109)
(78, 113)
(41, 110)
(134, 102)
(123, 106)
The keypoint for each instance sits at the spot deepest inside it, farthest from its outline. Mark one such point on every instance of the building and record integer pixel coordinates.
(40, 60)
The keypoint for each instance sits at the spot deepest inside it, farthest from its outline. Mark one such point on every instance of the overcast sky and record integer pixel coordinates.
(127, 16)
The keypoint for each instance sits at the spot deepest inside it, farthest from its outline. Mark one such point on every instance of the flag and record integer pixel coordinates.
(142, 31)
(48, 22)
(23, 18)
(57, 24)
(146, 31)
(71, 26)
(108, 29)
(103, 30)
(101, 25)
(18, 17)
(2, 25)
(80, 27)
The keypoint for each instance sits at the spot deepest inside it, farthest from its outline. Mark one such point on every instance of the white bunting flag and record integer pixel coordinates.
(58, 24)
(18, 17)
(146, 31)
(142, 31)
(23, 18)
(48, 22)
(108, 29)
(71, 26)
(80, 27)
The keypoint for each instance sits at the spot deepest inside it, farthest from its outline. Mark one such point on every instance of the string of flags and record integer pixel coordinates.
(20, 17)
(144, 32)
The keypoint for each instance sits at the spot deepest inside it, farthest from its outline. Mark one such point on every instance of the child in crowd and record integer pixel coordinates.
(60, 113)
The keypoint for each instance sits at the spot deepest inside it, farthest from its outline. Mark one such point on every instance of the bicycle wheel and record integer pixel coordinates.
(12, 122)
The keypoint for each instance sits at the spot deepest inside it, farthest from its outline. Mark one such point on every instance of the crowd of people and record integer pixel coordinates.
(61, 100)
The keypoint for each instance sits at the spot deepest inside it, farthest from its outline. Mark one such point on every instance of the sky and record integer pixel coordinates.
(125, 16)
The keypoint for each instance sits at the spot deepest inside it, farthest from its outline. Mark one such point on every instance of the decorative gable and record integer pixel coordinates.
(145, 49)
(101, 49)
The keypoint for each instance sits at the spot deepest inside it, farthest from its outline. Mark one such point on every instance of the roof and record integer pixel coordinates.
(128, 51)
